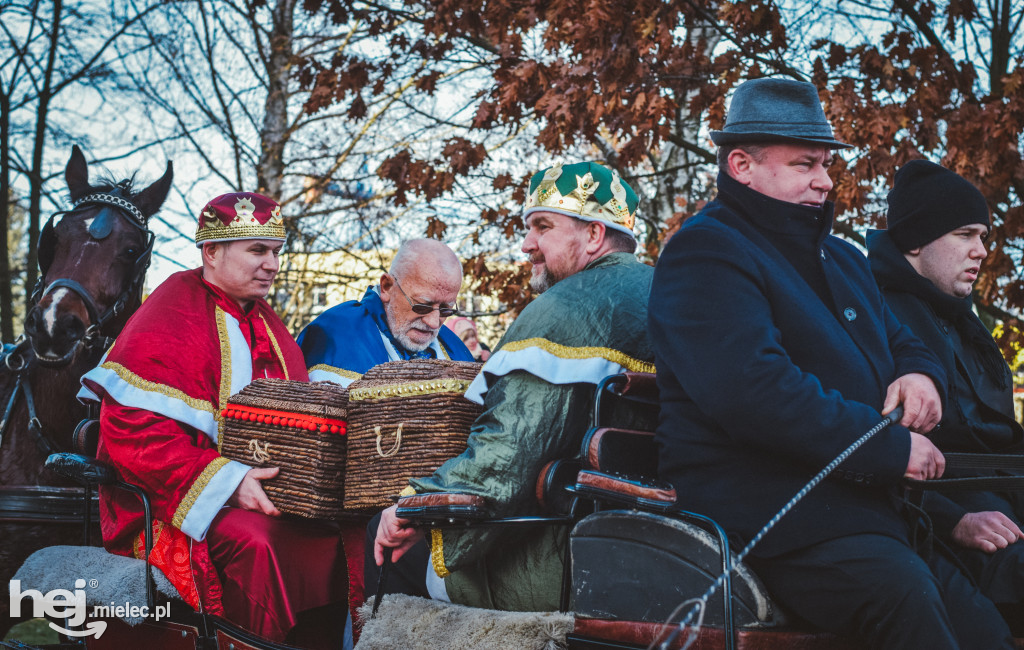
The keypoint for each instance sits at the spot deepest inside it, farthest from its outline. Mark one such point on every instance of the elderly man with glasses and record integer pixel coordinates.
(398, 319)
(537, 390)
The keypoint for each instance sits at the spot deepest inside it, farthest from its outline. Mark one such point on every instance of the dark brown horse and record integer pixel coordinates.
(93, 260)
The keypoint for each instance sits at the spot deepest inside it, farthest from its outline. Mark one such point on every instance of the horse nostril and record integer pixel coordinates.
(72, 327)
(32, 323)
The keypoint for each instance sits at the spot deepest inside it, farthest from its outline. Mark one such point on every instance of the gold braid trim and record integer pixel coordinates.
(134, 380)
(197, 488)
(347, 374)
(566, 352)
(277, 349)
(269, 230)
(437, 553)
(410, 389)
(225, 373)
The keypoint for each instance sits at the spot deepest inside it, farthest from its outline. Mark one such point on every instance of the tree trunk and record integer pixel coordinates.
(275, 131)
(6, 280)
(36, 176)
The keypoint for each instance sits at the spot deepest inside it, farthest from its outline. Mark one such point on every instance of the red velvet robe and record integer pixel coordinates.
(163, 385)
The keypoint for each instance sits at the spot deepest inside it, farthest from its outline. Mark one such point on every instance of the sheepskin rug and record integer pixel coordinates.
(111, 579)
(411, 622)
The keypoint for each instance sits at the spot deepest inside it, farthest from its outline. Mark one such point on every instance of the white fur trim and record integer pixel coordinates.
(544, 365)
(212, 499)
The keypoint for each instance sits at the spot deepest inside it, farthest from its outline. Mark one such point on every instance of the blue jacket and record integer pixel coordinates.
(767, 373)
(345, 341)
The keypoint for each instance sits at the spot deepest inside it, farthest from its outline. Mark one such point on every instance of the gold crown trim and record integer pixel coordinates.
(410, 389)
(266, 231)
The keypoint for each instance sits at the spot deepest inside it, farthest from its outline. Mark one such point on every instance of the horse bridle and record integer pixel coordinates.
(34, 501)
(100, 228)
(17, 357)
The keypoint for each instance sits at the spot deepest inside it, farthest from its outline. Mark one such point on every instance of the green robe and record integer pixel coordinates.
(539, 389)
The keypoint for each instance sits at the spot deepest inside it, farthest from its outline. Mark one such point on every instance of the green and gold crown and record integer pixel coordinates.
(587, 191)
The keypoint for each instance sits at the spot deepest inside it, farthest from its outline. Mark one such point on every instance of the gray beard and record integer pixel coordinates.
(543, 282)
(410, 345)
(402, 338)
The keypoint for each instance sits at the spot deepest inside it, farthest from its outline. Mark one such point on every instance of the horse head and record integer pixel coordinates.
(92, 263)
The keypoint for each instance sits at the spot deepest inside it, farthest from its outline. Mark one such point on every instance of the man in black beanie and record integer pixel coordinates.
(926, 264)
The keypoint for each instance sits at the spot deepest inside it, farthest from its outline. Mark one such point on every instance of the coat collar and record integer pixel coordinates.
(893, 272)
(767, 213)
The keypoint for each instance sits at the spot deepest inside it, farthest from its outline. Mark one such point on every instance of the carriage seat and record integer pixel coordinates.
(118, 579)
(87, 470)
(629, 565)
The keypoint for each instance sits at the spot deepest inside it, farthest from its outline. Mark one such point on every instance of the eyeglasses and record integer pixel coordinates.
(423, 309)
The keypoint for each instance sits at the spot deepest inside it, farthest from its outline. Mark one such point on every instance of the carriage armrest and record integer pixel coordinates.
(83, 469)
(434, 506)
(969, 484)
(553, 483)
(620, 451)
(640, 494)
(641, 386)
(984, 472)
(86, 438)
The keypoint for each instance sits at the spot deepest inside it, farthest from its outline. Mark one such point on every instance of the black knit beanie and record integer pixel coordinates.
(927, 201)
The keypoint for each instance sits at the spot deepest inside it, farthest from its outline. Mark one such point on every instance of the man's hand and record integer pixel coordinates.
(986, 531)
(249, 494)
(394, 533)
(922, 406)
(926, 461)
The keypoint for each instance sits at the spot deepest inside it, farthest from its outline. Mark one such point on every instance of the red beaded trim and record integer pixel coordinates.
(284, 419)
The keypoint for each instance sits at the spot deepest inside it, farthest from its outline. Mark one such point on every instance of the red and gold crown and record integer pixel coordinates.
(240, 215)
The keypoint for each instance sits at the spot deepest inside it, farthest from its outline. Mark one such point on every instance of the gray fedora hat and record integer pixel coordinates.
(776, 110)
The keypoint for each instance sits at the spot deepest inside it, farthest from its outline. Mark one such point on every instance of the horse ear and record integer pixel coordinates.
(150, 199)
(77, 174)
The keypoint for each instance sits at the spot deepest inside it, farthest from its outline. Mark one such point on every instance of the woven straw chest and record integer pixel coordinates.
(406, 418)
(299, 427)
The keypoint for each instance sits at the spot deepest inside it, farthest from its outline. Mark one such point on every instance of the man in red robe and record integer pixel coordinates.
(201, 337)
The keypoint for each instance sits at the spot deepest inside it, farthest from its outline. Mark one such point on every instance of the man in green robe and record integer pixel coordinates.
(590, 321)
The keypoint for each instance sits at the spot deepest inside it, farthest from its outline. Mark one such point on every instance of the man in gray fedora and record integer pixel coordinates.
(774, 353)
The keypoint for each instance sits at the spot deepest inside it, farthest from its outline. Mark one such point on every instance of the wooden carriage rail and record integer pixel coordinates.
(47, 504)
(594, 634)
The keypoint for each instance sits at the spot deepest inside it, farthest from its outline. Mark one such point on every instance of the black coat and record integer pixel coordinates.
(767, 373)
(979, 414)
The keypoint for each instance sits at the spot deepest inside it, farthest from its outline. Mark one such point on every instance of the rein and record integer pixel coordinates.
(698, 605)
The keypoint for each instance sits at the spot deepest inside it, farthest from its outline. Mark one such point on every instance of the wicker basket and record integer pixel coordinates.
(299, 427)
(406, 418)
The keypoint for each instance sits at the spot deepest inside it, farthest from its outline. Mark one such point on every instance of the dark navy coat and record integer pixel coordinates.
(979, 417)
(766, 375)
